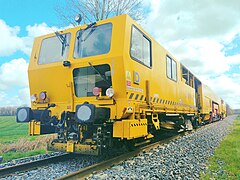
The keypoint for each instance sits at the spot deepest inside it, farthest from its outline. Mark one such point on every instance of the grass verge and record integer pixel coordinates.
(16, 155)
(16, 143)
(225, 164)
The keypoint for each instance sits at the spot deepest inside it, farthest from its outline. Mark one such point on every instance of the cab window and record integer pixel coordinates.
(86, 78)
(54, 49)
(140, 47)
(93, 41)
(171, 69)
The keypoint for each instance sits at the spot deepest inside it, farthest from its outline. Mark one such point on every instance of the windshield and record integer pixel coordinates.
(53, 50)
(93, 41)
(86, 78)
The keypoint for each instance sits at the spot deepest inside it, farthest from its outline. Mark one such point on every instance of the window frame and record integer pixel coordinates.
(150, 42)
(78, 68)
(167, 56)
(70, 38)
(75, 40)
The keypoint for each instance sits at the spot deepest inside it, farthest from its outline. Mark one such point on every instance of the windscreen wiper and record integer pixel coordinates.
(90, 25)
(63, 40)
(95, 69)
(91, 31)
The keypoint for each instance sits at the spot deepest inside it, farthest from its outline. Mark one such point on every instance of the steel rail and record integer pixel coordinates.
(32, 165)
(87, 171)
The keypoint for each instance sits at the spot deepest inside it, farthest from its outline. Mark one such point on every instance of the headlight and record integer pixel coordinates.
(84, 113)
(110, 92)
(96, 91)
(33, 98)
(89, 113)
(43, 95)
(23, 114)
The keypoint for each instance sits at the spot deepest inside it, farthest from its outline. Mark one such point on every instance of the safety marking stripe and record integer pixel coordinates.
(136, 96)
(138, 124)
(157, 100)
(131, 96)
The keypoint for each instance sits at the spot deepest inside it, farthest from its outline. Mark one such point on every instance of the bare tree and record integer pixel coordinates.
(95, 10)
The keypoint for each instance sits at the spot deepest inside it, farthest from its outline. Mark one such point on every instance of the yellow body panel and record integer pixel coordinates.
(70, 146)
(223, 109)
(76, 148)
(208, 97)
(130, 129)
(34, 128)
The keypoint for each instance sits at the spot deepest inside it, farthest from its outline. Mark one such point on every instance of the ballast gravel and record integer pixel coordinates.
(29, 159)
(55, 170)
(183, 158)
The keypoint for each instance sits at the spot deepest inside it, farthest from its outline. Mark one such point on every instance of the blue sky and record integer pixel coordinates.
(28, 12)
(204, 35)
(25, 13)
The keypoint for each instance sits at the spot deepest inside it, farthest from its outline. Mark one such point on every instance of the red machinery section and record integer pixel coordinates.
(215, 110)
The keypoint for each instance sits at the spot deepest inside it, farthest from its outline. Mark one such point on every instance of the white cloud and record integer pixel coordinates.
(35, 31)
(195, 33)
(12, 42)
(229, 91)
(14, 73)
(24, 96)
(2, 96)
(21, 98)
(193, 19)
(14, 78)
(40, 29)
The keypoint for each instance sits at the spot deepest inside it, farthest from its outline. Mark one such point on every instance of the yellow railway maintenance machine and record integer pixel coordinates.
(104, 84)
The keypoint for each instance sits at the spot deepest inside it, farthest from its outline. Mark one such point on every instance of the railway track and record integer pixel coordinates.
(85, 172)
(32, 165)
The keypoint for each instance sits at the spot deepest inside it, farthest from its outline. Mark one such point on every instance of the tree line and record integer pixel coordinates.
(8, 111)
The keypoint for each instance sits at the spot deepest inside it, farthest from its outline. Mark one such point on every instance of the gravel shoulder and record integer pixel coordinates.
(184, 158)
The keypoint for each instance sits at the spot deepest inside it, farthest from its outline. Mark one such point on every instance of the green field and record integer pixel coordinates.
(11, 131)
(15, 141)
(225, 164)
